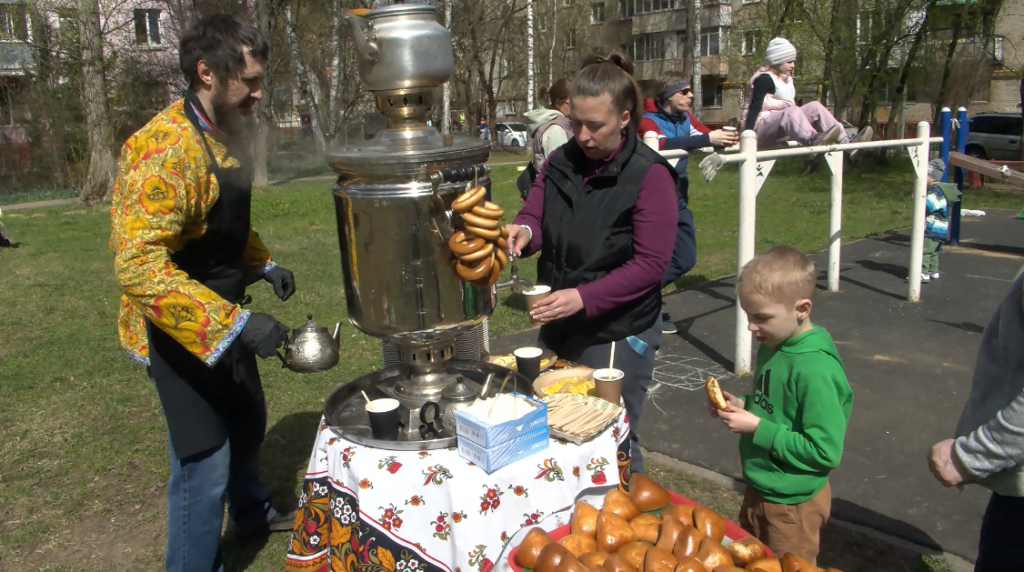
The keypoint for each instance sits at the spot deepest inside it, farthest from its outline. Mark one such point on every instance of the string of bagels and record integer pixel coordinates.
(480, 247)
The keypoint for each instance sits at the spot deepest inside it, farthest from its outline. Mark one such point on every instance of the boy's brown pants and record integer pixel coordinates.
(785, 528)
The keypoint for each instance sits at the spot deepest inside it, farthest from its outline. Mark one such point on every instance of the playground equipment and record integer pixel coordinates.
(754, 168)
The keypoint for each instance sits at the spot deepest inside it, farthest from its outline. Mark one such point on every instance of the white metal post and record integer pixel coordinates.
(651, 140)
(919, 155)
(835, 218)
(745, 242)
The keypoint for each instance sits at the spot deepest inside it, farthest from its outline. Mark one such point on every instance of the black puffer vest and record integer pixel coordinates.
(587, 233)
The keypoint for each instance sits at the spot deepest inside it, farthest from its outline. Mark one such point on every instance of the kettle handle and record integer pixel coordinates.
(363, 36)
(284, 363)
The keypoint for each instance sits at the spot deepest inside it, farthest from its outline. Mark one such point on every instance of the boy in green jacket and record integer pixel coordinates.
(793, 423)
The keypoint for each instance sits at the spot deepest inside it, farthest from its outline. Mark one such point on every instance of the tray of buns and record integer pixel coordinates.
(578, 418)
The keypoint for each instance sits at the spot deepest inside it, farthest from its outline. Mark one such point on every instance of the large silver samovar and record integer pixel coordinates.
(393, 202)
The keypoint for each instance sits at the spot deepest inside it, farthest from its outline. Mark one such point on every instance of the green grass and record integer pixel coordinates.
(82, 437)
(37, 195)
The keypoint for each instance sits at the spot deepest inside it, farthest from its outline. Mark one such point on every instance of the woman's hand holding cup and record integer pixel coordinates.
(558, 305)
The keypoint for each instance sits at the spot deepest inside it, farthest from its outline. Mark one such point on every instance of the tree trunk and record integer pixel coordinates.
(958, 25)
(787, 8)
(551, 51)
(99, 182)
(261, 173)
(830, 52)
(312, 94)
(1021, 89)
(529, 56)
(901, 87)
(698, 92)
(446, 105)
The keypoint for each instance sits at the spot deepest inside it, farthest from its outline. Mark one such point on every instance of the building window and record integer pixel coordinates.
(147, 27)
(751, 42)
(711, 93)
(570, 40)
(681, 44)
(597, 13)
(626, 9)
(869, 27)
(709, 42)
(997, 50)
(644, 6)
(13, 22)
(628, 48)
(650, 47)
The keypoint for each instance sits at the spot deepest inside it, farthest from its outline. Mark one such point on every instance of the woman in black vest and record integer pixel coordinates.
(603, 215)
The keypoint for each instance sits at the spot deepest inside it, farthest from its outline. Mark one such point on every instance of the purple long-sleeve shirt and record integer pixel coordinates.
(654, 232)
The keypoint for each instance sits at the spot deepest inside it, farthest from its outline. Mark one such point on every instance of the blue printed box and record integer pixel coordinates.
(488, 436)
(491, 460)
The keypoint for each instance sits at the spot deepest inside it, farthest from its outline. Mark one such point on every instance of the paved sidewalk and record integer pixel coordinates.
(909, 365)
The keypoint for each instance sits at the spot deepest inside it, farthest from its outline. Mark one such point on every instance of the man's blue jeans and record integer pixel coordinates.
(195, 505)
(684, 253)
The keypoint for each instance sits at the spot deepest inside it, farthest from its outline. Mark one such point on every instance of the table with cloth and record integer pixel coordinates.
(377, 510)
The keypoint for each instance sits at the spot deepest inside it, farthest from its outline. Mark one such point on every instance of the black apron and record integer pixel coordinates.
(205, 406)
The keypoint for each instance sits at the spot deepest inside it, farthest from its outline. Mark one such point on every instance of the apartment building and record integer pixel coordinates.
(656, 34)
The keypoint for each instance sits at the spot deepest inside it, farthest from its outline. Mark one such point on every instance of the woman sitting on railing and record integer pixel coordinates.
(770, 108)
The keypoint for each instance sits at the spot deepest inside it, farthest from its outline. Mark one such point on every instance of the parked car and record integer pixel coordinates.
(509, 135)
(995, 136)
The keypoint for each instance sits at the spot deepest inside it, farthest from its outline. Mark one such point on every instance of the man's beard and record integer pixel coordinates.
(231, 119)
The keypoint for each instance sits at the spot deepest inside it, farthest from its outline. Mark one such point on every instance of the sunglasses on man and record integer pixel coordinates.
(686, 91)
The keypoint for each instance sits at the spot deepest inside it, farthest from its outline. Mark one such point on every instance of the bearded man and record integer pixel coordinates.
(184, 254)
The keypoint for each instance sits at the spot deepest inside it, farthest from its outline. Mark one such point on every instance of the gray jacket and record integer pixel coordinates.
(990, 434)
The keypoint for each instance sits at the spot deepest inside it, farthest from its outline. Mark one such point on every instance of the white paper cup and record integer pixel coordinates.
(608, 384)
(729, 129)
(534, 295)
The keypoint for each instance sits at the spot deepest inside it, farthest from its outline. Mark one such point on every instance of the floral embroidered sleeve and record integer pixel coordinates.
(257, 257)
(155, 210)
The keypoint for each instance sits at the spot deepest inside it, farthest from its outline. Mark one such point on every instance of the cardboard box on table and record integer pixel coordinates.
(494, 446)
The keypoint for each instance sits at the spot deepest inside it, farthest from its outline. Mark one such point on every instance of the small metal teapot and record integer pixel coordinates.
(312, 348)
(454, 398)
(401, 46)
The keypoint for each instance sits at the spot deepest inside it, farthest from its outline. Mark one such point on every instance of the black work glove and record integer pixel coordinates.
(263, 334)
(283, 281)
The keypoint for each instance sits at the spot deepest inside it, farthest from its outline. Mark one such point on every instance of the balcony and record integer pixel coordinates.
(715, 15)
(666, 21)
(16, 59)
(714, 65)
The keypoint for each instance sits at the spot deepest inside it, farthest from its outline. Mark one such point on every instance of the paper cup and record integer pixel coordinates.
(384, 418)
(608, 384)
(528, 362)
(534, 295)
(729, 129)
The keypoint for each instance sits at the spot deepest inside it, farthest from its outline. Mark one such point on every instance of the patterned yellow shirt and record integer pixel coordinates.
(164, 190)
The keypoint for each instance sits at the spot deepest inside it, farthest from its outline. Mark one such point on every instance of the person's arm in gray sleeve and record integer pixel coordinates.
(996, 445)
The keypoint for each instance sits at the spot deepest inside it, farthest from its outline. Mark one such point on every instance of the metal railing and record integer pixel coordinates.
(754, 167)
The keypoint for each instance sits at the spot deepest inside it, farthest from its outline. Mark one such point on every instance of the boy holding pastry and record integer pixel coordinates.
(793, 423)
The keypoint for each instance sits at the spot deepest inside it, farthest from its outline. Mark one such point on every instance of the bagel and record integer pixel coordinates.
(501, 258)
(504, 232)
(487, 250)
(469, 199)
(490, 279)
(502, 244)
(460, 244)
(478, 221)
(486, 233)
(715, 394)
(487, 209)
(471, 272)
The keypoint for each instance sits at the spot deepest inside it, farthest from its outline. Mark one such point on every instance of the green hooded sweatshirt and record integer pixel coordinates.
(804, 401)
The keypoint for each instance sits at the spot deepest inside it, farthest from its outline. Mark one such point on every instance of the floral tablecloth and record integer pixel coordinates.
(376, 510)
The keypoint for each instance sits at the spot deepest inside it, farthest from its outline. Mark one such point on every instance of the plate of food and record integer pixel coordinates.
(547, 359)
(578, 380)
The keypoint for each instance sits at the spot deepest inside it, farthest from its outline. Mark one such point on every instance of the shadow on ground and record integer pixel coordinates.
(283, 462)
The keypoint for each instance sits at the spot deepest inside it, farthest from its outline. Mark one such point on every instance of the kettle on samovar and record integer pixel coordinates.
(401, 46)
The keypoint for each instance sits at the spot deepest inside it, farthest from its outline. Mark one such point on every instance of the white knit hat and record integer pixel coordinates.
(779, 51)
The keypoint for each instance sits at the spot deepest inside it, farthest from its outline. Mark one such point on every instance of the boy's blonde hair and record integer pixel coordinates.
(781, 274)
